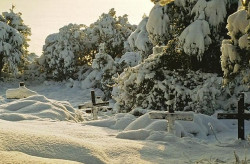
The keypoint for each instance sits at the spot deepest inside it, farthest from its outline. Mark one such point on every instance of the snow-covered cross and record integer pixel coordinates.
(241, 116)
(171, 117)
(94, 105)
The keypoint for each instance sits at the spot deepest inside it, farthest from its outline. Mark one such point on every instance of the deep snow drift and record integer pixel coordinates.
(43, 129)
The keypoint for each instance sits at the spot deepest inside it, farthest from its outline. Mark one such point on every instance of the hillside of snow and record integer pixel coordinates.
(42, 129)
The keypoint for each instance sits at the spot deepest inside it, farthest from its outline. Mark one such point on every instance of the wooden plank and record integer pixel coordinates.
(227, 116)
(177, 116)
(102, 104)
(245, 116)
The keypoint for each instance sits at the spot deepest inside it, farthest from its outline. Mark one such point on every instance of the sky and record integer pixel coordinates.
(47, 16)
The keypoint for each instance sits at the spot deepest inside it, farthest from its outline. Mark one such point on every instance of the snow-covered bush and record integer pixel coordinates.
(63, 52)
(139, 39)
(13, 42)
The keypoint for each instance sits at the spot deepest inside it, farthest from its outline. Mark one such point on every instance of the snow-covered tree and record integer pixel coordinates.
(15, 20)
(158, 25)
(195, 38)
(187, 32)
(215, 13)
(171, 19)
(158, 84)
(235, 58)
(63, 52)
(129, 59)
(139, 39)
(104, 68)
(111, 30)
(14, 42)
(11, 48)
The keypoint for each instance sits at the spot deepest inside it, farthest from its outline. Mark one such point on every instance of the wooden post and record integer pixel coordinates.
(241, 125)
(93, 97)
(21, 84)
(240, 116)
(94, 106)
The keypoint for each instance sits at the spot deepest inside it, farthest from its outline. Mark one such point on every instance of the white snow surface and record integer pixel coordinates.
(130, 58)
(49, 132)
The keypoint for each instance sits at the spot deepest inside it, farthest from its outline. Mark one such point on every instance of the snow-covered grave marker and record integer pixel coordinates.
(18, 93)
(241, 116)
(94, 105)
(171, 117)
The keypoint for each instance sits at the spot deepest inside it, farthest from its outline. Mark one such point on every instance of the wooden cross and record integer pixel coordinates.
(94, 105)
(241, 116)
(171, 117)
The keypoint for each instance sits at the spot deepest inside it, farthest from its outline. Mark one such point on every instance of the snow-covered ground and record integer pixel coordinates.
(48, 128)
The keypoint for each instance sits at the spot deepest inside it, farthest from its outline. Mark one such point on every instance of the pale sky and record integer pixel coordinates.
(47, 16)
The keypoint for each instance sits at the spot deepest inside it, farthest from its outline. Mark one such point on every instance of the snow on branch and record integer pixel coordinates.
(195, 38)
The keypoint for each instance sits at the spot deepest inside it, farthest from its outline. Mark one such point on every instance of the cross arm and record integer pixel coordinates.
(101, 104)
(233, 116)
(177, 116)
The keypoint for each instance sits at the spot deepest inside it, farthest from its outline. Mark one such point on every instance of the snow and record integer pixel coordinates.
(158, 23)
(195, 38)
(237, 23)
(139, 38)
(41, 129)
(37, 107)
(214, 10)
(243, 42)
(130, 58)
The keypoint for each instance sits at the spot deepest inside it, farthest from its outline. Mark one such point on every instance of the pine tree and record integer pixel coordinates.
(104, 68)
(63, 52)
(15, 20)
(139, 40)
(13, 42)
(11, 48)
(235, 58)
(111, 30)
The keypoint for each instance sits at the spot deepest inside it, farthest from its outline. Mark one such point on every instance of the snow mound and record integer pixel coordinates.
(18, 93)
(37, 107)
(145, 128)
(119, 121)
